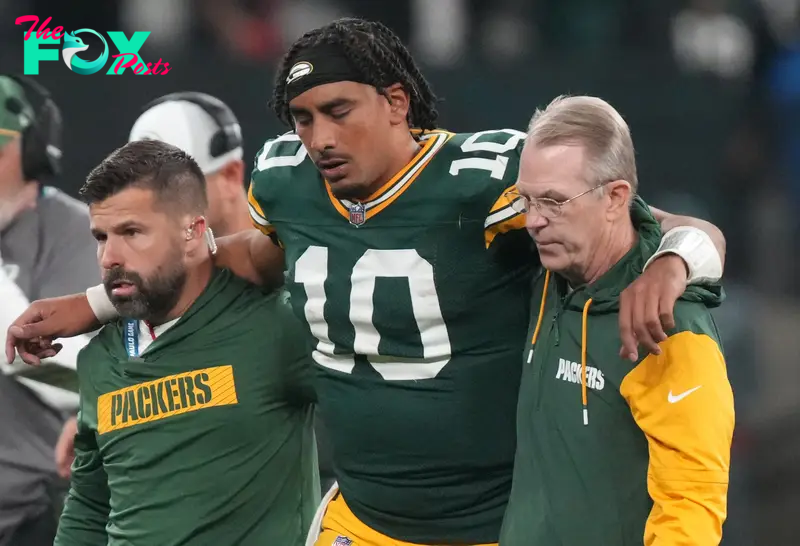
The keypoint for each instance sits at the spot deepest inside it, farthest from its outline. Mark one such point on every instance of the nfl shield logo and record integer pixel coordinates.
(342, 541)
(358, 215)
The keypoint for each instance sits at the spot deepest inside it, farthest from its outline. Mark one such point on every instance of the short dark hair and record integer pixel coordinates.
(378, 54)
(169, 172)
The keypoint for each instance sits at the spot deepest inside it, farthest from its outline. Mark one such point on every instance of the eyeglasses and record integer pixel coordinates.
(548, 208)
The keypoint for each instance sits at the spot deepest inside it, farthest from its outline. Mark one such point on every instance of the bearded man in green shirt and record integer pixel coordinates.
(195, 423)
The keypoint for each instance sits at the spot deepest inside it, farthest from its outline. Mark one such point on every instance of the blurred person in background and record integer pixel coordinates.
(246, 28)
(782, 82)
(207, 129)
(708, 37)
(45, 251)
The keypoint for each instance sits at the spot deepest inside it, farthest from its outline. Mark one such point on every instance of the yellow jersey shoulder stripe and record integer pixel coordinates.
(499, 216)
(257, 216)
(502, 218)
(260, 224)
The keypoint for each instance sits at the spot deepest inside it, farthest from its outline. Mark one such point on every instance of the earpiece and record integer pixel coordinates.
(208, 236)
(210, 241)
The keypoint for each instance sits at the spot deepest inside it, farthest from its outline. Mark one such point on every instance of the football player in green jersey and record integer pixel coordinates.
(412, 272)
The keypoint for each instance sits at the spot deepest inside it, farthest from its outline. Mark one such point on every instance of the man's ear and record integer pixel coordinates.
(399, 103)
(194, 236)
(619, 194)
(233, 174)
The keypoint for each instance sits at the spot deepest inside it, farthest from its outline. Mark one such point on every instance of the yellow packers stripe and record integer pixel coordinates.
(9, 132)
(166, 397)
(390, 191)
(502, 218)
(257, 216)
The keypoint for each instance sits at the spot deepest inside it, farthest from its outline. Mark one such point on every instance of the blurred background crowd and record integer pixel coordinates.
(710, 88)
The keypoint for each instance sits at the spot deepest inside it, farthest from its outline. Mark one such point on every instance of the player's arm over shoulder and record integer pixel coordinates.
(252, 257)
(260, 259)
(683, 402)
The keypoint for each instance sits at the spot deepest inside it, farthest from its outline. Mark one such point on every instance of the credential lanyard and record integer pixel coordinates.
(130, 336)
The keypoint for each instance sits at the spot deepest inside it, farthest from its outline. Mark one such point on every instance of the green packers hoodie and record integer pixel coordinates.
(611, 452)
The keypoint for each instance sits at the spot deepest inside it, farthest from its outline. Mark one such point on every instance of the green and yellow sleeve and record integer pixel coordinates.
(85, 515)
(683, 402)
(257, 217)
(502, 218)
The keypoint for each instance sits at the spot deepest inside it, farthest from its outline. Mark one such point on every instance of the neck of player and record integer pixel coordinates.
(612, 245)
(234, 218)
(407, 147)
(197, 279)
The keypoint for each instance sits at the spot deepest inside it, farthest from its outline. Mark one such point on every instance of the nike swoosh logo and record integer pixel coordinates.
(672, 399)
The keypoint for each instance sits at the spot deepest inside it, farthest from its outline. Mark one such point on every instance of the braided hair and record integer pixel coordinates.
(378, 54)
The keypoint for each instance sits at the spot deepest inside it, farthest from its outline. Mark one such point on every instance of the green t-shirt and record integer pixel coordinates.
(206, 438)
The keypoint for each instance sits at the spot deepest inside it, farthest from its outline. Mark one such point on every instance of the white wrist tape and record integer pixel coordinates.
(101, 305)
(697, 249)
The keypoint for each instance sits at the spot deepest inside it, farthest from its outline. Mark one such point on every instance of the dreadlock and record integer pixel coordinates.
(378, 54)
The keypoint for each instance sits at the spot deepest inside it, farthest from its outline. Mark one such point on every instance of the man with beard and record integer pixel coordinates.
(207, 129)
(195, 420)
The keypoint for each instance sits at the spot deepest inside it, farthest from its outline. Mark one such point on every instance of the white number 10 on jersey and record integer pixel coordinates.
(311, 270)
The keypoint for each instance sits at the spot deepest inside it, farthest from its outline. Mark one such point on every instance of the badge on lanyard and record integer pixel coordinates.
(130, 336)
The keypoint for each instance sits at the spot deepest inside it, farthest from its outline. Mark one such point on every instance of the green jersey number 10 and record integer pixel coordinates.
(311, 270)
